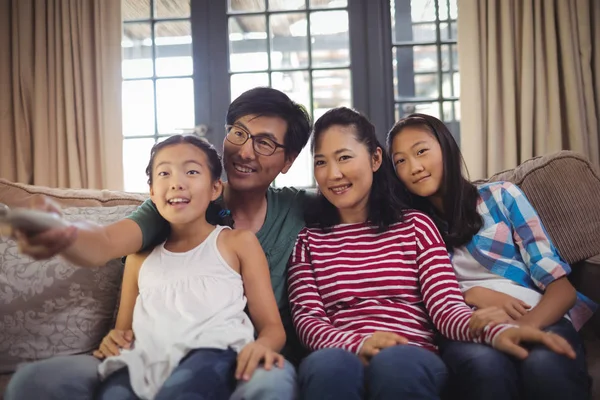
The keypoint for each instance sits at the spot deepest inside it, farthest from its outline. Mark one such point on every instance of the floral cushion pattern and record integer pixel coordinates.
(51, 307)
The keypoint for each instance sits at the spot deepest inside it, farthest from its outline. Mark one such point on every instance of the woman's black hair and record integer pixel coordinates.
(460, 220)
(215, 213)
(386, 202)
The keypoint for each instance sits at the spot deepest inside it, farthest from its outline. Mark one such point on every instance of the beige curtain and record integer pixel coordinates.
(530, 80)
(60, 106)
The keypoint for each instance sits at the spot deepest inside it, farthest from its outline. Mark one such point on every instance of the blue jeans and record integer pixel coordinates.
(399, 372)
(76, 378)
(478, 371)
(203, 374)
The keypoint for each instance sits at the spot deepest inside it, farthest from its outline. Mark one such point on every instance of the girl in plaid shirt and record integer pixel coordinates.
(502, 257)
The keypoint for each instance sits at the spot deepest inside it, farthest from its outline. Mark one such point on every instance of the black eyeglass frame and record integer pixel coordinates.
(253, 137)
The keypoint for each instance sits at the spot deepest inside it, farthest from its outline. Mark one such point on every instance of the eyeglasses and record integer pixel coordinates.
(262, 144)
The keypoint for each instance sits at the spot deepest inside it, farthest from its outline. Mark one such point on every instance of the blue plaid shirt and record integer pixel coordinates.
(513, 243)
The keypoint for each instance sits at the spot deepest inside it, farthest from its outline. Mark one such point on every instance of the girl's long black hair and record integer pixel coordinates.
(460, 220)
(387, 199)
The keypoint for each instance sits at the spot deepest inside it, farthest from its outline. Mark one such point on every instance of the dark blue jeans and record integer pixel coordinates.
(478, 371)
(202, 374)
(399, 372)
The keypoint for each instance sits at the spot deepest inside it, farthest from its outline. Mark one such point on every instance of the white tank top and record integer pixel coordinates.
(187, 301)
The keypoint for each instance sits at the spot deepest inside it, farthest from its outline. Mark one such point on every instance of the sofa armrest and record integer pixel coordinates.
(586, 279)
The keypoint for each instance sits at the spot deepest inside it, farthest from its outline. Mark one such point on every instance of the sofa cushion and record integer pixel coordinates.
(51, 307)
(564, 188)
(21, 195)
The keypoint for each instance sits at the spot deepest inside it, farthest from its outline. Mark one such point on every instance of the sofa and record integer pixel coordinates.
(51, 307)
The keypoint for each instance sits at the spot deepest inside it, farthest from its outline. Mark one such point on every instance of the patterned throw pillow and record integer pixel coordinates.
(51, 307)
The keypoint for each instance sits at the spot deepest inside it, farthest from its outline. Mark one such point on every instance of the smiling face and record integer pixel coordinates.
(418, 161)
(344, 171)
(182, 185)
(248, 171)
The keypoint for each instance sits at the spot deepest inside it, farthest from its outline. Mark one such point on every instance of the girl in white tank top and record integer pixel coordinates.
(181, 326)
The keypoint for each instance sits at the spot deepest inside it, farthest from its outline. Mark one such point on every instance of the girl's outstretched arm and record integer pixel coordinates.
(122, 335)
(264, 312)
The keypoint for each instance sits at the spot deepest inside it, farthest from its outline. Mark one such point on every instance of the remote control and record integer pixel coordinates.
(30, 221)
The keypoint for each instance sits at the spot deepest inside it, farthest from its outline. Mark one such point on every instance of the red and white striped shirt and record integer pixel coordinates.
(352, 281)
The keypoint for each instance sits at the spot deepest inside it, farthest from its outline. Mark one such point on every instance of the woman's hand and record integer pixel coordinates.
(251, 355)
(487, 316)
(112, 343)
(377, 342)
(509, 342)
(481, 297)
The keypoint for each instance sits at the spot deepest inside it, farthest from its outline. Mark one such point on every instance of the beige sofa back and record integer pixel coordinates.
(21, 195)
(564, 188)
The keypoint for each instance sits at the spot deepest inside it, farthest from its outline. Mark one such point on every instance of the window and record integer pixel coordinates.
(185, 60)
(425, 59)
(300, 47)
(158, 87)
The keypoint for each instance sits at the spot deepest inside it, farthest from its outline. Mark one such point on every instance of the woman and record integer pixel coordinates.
(370, 282)
(502, 257)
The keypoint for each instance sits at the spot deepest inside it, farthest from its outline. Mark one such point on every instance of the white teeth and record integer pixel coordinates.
(178, 200)
(339, 189)
(243, 169)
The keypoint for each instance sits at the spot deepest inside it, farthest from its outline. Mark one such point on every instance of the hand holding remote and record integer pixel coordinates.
(41, 231)
(30, 221)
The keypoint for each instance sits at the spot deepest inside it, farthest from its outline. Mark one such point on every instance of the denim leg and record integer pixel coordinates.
(478, 371)
(116, 387)
(331, 374)
(547, 375)
(203, 374)
(65, 377)
(275, 384)
(406, 372)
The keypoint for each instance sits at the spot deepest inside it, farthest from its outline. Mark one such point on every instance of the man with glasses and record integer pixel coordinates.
(265, 133)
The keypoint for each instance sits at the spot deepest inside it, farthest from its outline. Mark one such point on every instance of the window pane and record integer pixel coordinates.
(137, 51)
(422, 11)
(449, 111)
(443, 9)
(242, 82)
(424, 33)
(453, 9)
(451, 85)
(454, 57)
(331, 88)
(327, 3)
(246, 5)
(404, 109)
(138, 108)
(172, 8)
(289, 43)
(296, 86)
(409, 61)
(136, 154)
(278, 5)
(174, 49)
(426, 85)
(247, 44)
(425, 58)
(329, 38)
(175, 104)
(453, 30)
(135, 9)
